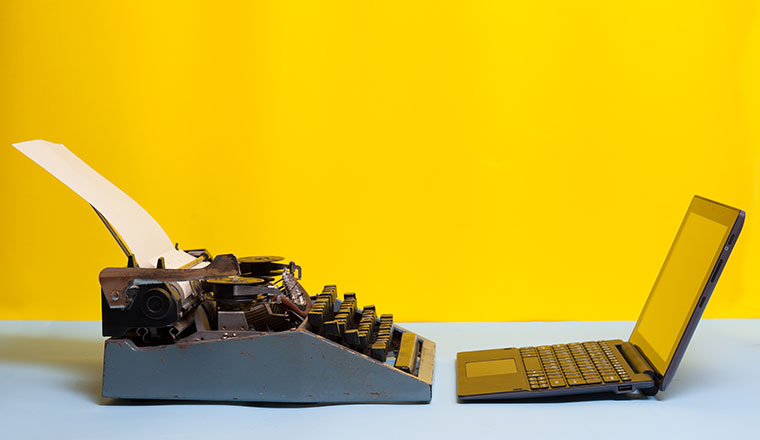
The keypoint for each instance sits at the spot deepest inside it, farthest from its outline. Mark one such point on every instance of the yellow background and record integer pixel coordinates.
(447, 161)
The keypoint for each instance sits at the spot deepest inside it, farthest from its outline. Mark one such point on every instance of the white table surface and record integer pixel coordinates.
(50, 376)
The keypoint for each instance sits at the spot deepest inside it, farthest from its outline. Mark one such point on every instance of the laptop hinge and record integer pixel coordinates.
(636, 360)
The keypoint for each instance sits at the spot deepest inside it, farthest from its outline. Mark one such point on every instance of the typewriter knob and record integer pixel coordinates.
(156, 302)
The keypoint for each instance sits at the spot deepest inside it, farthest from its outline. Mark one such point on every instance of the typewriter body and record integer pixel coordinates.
(187, 325)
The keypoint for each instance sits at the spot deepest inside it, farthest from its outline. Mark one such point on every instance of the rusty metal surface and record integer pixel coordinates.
(295, 291)
(116, 280)
(293, 366)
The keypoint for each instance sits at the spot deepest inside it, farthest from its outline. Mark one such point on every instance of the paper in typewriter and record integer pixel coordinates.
(142, 234)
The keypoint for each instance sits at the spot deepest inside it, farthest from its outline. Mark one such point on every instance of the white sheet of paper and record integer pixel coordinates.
(142, 234)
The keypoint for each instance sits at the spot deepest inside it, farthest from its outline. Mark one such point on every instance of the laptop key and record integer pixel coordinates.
(610, 378)
(557, 383)
(532, 364)
(576, 381)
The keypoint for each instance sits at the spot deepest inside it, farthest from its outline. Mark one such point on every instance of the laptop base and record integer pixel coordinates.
(549, 371)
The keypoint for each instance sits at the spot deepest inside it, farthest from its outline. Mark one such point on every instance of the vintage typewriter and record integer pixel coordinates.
(187, 325)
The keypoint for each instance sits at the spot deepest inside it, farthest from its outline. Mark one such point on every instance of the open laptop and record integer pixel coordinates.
(647, 362)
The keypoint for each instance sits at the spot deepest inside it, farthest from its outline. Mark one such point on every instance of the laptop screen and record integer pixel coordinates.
(682, 279)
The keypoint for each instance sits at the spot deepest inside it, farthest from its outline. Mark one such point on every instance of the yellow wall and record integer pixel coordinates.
(448, 161)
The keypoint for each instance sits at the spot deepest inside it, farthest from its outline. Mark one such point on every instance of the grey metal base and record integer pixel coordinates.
(294, 366)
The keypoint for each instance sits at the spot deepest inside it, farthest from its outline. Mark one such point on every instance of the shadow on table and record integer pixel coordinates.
(149, 402)
(82, 358)
(566, 399)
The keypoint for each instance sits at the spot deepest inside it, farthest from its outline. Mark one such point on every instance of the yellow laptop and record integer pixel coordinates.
(649, 359)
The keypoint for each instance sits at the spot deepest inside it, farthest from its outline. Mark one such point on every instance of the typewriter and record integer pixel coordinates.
(188, 325)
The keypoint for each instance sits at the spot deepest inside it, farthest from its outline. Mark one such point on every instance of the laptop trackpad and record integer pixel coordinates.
(490, 371)
(490, 368)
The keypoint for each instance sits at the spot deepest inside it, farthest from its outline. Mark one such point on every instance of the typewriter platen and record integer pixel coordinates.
(191, 326)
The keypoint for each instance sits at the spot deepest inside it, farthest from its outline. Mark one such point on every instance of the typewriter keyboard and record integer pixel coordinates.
(362, 330)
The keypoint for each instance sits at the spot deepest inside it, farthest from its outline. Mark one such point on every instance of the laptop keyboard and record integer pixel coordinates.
(570, 365)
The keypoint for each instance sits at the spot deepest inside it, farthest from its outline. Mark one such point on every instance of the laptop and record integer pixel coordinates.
(646, 362)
